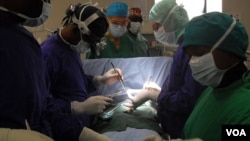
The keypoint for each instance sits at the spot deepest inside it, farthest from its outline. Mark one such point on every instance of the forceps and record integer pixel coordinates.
(119, 77)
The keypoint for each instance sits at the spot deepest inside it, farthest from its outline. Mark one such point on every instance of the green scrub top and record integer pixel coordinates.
(125, 51)
(140, 45)
(217, 107)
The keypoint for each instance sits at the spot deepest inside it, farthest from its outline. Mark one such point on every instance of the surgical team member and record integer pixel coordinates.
(135, 25)
(180, 91)
(23, 87)
(83, 27)
(217, 61)
(118, 45)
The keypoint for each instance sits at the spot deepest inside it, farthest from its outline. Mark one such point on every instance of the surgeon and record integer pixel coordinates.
(23, 87)
(117, 45)
(217, 61)
(83, 29)
(180, 91)
(135, 25)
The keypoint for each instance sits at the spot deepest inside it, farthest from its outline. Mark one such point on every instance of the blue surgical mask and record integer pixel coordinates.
(33, 22)
(116, 30)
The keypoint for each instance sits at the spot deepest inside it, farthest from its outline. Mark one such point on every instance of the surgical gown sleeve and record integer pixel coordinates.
(68, 82)
(23, 83)
(178, 95)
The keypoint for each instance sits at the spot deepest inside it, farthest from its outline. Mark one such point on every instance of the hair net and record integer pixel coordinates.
(117, 9)
(169, 14)
(207, 29)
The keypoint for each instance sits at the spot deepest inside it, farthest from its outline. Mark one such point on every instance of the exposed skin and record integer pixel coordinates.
(71, 33)
(156, 26)
(223, 59)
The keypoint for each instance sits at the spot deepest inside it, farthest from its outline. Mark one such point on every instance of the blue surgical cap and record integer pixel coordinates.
(117, 9)
(169, 14)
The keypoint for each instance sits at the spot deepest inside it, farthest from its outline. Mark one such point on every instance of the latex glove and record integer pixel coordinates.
(158, 138)
(7, 134)
(139, 96)
(108, 78)
(151, 85)
(90, 135)
(92, 105)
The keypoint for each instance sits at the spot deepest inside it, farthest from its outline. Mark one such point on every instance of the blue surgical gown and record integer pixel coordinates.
(68, 82)
(178, 95)
(23, 83)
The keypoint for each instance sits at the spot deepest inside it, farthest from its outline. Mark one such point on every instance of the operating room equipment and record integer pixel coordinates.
(120, 78)
(108, 113)
(118, 97)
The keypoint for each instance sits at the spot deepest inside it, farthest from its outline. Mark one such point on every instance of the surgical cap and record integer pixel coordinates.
(135, 14)
(169, 14)
(117, 9)
(207, 29)
(99, 26)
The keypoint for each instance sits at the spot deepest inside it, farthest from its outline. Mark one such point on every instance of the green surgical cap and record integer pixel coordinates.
(117, 9)
(207, 29)
(169, 14)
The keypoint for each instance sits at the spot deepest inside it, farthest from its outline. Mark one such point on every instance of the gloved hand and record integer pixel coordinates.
(92, 105)
(158, 138)
(138, 97)
(7, 134)
(108, 78)
(90, 135)
(151, 85)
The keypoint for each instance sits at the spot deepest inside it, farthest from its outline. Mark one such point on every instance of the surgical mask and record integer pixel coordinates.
(81, 47)
(204, 69)
(135, 27)
(33, 22)
(163, 37)
(116, 30)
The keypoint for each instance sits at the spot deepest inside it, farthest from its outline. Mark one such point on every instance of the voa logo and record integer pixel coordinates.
(236, 132)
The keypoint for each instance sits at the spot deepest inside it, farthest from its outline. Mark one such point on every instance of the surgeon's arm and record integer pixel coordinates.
(108, 78)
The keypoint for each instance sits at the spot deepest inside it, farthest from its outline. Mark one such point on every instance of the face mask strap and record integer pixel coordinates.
(13, 12)
(224, 35)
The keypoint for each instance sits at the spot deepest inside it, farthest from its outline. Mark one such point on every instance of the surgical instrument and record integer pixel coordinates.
(120, 78)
